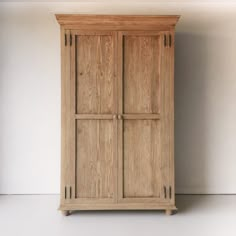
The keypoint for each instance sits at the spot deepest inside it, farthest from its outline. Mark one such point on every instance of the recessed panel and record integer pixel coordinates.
(94, 71)
(94, 159)
(141, 65)
(141, 160)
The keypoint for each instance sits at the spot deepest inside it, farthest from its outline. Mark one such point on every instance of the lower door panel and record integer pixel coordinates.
(143, 171)
(141, 160)
(95, 174)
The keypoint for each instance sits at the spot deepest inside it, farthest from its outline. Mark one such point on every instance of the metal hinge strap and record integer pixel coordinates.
(164, 191)
(70, 39)
(65, 40)
(70, 192)
(169, 43)
(164, 40)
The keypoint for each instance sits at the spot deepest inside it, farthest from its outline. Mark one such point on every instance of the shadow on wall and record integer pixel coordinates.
(190, 113)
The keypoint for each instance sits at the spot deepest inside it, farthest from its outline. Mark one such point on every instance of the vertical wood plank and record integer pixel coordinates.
(67, 78)
(63, 115)
(72, 129)
(165, 116)
(172, 159)
(120, 111)
(115, 111)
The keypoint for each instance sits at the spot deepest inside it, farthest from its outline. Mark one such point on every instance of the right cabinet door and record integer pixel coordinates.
(144, 126)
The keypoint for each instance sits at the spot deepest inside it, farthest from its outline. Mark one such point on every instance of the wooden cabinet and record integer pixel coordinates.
(117, 112)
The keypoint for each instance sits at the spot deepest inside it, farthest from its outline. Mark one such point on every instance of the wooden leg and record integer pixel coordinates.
(65, 213)
(169, 212)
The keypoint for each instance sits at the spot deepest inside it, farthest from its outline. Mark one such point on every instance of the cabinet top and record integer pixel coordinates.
(118, 22)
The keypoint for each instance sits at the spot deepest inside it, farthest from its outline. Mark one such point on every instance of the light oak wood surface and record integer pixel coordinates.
(117, 112)
(141, 65)
(95, 62)
(95, 162)
(141, 158)
(117, 22)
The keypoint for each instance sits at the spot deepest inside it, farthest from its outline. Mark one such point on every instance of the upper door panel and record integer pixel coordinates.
(95, 73)
(141, 69)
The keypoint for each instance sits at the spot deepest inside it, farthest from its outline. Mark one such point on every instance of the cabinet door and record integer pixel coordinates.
(93, 131)
(144, 125)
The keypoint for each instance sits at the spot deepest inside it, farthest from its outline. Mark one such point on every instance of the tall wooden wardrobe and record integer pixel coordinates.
(117, 112)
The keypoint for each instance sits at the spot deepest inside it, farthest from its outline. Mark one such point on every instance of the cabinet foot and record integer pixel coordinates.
(169, 212)
(65, 213)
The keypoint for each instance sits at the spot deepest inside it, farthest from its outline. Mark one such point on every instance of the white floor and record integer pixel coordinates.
(37, 215)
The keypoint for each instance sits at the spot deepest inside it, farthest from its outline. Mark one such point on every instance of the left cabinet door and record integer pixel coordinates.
(89, 164)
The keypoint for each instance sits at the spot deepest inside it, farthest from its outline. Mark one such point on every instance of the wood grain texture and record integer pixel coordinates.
(66, 159)
(172, 113)
(120, 111)
(117, 22)
(72, 139)
(141, 74)
(117, 112)
(141, 158)
(95, 162)
(64, 107)
(141, 116)
(166, 116)
(118, 206)
(93, 116)
(95, 63)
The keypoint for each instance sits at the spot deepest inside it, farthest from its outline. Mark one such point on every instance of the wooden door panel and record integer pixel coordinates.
(95, 130)
(142, 163)
(141, 65)
(95, 63)
(95, 160)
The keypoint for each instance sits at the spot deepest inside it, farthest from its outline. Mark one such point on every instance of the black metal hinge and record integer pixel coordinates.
(66, 41)
(169, 39)
(70, 192)
(165, 40)
(165, 192)
(170, 192)
(70, 39)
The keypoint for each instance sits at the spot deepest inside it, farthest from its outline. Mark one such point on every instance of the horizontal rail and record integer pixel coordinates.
(117, 116)
(141, 116)
(93, 116)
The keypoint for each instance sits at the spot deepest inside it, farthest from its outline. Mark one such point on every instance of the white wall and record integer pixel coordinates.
(205, 92)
